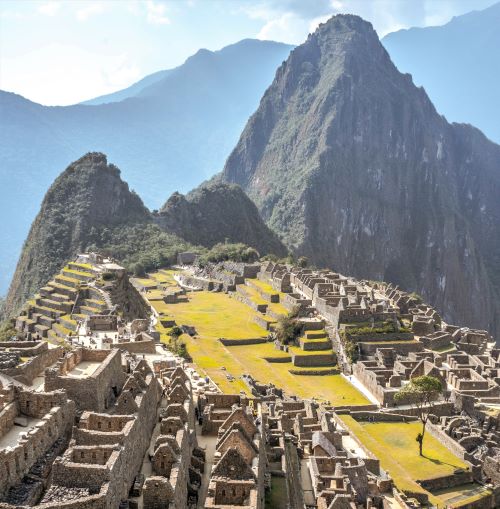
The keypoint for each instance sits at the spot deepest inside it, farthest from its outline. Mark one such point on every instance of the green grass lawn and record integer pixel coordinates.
(277, 307)
(253, 294)
(394, 444)
(216, 315)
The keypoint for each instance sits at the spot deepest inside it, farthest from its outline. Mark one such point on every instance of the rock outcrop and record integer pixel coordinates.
(216, 212)
(351, 164)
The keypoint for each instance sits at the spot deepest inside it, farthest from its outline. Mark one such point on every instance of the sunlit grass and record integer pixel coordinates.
(395, 445)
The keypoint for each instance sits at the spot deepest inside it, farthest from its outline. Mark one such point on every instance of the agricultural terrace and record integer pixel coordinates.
(395, 446)
(218, 315)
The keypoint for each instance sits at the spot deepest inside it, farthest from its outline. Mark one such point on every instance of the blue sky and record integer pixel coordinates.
(65, 51)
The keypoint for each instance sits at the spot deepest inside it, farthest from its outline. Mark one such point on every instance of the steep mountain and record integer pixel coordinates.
(89, 206)
(350, 162)
(458, 64)
(171, 135)
(216, 212)
(86, 199)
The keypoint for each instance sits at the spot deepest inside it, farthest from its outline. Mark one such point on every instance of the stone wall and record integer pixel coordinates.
(446, 440)
(115, 464)
(145, 346)
(130, 301)
(31, 368)
(95, 392)
(56, 416)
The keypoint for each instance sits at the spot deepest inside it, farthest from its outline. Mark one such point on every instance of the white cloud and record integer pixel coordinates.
(84, 13)
(156, 13)
(73, 76)
(49, 8)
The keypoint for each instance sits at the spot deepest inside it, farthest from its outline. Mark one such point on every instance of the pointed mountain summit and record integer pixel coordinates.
(86, 200)
(351, 164)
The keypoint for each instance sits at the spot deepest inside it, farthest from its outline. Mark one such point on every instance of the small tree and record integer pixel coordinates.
(288, 328)
(303, 262)
(421, 392)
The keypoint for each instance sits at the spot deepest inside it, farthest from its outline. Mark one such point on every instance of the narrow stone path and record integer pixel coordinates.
(305, 479)
(208, 443)
(147, 467)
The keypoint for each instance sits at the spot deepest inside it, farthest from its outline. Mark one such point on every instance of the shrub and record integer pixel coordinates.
(223, 252)
(288, 328)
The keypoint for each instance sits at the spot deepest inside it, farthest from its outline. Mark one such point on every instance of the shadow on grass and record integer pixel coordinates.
(439, 462)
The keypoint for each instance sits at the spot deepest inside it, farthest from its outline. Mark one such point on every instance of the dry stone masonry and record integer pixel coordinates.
(102, 416)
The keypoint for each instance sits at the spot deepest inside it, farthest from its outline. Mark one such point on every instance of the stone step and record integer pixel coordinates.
(64, 307)
(315, 345)
(61, 331)
(77, 274)
(304, 359)
(89, 310)
(53, 313)
(99, 304)
(67, 281)
(45, 320)
(266, 291)
(68, 322)
(81, 267)
(313, 334)
(63, 289)
(59, 297)
(46, 291)
(41, 329)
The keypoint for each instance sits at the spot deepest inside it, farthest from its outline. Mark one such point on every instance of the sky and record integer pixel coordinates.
(60, 52)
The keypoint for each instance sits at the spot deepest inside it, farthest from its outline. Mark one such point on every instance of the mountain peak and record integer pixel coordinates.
(86, 200)
(346, 156)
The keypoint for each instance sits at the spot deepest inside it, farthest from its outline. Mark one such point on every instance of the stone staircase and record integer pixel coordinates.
(48, 314)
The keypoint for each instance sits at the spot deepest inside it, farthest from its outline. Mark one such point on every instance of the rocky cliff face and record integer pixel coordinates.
(216, 212)
(85, 201)
(353, 166)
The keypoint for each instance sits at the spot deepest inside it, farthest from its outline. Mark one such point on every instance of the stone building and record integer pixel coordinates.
(93, 379)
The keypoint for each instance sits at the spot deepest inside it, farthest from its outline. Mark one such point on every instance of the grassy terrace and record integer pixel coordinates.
(277, 307)
(253, 294)
(462, 495)
(217, 315)
(298, 351)
(79, 272)
(394, 444)
(266, 287)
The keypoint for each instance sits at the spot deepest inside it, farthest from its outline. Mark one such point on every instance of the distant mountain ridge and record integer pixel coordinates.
(458, 64)
(349, 162)
(130, 91)
(171, 135)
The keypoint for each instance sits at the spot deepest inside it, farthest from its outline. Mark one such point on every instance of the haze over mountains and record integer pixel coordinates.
(458, 64)
(351, 164)
(175, 130)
